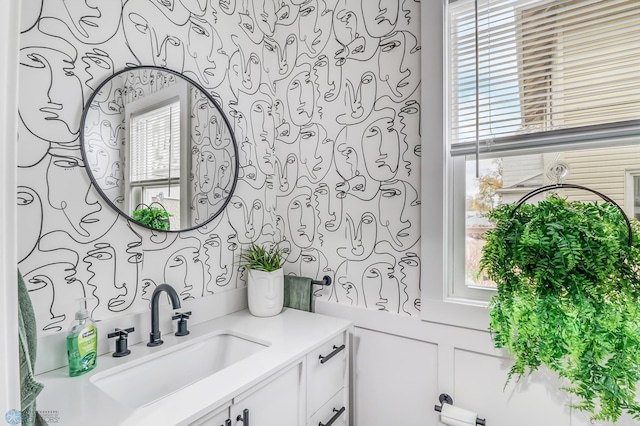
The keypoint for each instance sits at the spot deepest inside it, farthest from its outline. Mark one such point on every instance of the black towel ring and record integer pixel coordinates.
(574, 186)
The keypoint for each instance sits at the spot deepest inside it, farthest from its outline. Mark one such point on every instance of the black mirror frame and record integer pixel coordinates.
(211, 99)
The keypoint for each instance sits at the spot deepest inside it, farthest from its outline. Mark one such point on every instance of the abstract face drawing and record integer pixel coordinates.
(244, 72)
(411, 131)
(380, 16)
(221, 256)
(380, 287)
(314, 25)
(329, 208)
(226, 6)
(285, 132)
(248, 25)
(351, 33)
(399, 53)
(283, 55)
(264, 12)
(246, 219)
(50, 93)
(93, 21)
(328, 80)
(99, 65)
(301, 98)
(200, 108)
(224, 173)
(286, 174)
(205, 50)
(359, 99)
(381, 148)
(263, 129)
(399, 211)
(185, 272)
(361, 237)
(316, 151)
(302, 220)
(152, 37)
(108, 284)
(98, 158)
(207, 168)
(81, 208)
(312, 263)
(50, 286)
(410, 273)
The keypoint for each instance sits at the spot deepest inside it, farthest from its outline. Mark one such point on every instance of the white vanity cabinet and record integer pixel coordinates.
(296, 376)
(277, 401)
(313, 391)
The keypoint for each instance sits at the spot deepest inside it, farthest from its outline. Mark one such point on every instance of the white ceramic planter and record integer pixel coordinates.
(266, 292)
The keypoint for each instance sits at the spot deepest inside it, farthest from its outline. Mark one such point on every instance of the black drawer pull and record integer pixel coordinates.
(337, 414)
(244, 418)
(336, 349)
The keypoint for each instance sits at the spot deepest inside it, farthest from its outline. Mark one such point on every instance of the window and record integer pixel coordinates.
(157, 125)
(536, 87)
(155, 160)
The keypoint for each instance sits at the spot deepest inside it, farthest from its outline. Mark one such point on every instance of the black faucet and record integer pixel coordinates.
(154, 336)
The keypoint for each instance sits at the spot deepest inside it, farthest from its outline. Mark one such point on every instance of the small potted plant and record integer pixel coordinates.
(152, 217)
(265, 283)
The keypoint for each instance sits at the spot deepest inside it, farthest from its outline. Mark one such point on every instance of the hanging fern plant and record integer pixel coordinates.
(153, 217)
(569, 298)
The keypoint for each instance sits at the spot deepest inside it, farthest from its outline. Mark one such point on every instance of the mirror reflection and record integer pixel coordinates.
(159, 149)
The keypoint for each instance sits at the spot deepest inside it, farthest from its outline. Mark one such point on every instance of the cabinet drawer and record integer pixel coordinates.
(326, 372)
(335, 409)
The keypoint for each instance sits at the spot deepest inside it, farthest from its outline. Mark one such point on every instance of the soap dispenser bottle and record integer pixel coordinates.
(82, 342)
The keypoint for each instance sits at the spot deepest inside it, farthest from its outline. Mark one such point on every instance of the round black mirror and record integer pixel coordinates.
(159, 149)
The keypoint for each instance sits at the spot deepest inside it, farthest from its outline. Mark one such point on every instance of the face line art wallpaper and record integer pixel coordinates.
(324, 99)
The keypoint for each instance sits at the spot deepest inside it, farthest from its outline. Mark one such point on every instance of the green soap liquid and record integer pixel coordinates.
(81, 349)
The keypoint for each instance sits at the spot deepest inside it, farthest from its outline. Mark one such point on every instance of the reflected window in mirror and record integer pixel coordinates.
(157, 120)
(155, 160)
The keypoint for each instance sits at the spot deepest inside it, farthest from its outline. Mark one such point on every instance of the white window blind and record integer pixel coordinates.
(530, 73)
(155, 144)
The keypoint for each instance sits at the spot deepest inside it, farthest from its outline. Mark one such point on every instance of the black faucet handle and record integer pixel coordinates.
(120, 332)
(181, 315)
(182, 318)
(121, 343)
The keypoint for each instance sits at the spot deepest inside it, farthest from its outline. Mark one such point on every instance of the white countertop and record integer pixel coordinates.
(291, 334)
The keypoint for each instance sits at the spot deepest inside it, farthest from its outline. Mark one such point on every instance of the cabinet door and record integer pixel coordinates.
(277, 402)
(217, 417)
(327, 368)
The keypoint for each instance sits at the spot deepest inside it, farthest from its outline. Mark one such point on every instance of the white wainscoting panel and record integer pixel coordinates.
(396, 379)
(534, 400)
(402, 364)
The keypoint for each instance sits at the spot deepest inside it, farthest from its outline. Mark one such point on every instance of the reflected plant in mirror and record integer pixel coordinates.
(152, 217)
(150, 137)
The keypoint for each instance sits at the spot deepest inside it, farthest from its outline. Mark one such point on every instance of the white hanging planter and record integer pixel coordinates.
(266, 292)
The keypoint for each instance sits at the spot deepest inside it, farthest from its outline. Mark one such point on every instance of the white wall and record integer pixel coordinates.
(9, 372)
(325, 105)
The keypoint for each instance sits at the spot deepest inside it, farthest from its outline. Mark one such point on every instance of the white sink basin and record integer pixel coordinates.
(155, 376)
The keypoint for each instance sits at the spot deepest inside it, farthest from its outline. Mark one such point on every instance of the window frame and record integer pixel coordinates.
(443, 300)
(437, 304)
